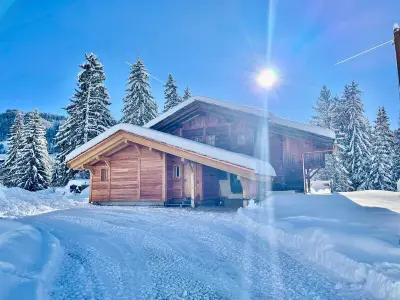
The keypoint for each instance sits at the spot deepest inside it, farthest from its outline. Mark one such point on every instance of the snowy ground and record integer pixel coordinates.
(384, 199)
(291, 247)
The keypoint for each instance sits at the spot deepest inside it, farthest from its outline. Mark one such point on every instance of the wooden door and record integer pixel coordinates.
(125, 180)
(187, 182)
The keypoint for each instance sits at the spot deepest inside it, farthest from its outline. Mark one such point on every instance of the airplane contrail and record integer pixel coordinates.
(354, 56)
(149, 75)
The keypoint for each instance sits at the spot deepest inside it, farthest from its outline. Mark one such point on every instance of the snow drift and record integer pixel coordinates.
(16, 202)
(359, 244)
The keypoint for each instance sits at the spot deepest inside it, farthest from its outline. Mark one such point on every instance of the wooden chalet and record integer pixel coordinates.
(202, 150)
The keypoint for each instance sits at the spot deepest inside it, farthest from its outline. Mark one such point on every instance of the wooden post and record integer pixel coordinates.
(91, 172)
(164, 177)
(245, 186)
(138, 175)
(108, 163)
(192, 184)
(199, 177)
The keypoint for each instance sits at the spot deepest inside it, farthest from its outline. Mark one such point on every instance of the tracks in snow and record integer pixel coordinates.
(148, 253)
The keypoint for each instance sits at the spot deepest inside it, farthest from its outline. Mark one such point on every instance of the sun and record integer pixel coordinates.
(267, 78)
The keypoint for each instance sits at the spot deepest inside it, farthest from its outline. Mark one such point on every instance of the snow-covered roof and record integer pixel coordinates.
(258, 166)
(249, 110)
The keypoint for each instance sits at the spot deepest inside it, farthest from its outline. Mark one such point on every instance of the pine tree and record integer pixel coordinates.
(396, 158)
(324, 109)
(186, 94)
(356, 136)
(15, 144)
(32, 167)
(171, 94)
(381, 174)
(88, 116)
(92, 99)
(139, 105)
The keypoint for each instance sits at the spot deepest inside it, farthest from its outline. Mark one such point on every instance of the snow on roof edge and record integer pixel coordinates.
(258, 166)
(247, 109)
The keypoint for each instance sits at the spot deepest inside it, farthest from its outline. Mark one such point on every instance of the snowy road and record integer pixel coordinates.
(151, 253)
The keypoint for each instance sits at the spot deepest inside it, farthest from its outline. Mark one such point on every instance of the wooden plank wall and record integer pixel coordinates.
(174, 185)
(99, 190)
(151, 173)
(134, 175)
(226, 132)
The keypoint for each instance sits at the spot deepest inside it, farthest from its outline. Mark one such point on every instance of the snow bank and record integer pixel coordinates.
(16, 202)
(384, 199)
(359, 244)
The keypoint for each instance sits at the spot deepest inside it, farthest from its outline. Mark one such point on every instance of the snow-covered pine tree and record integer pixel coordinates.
(327, 114)
(139, 105)
(15, 145)
(171, 94)
(186, 94)
(356, 137)
(324, 109)
(93, 100)
(381, 176)
(396, 158)
(88, 116)
(32, 168)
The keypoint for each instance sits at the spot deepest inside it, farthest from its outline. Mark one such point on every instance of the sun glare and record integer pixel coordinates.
(267, 78)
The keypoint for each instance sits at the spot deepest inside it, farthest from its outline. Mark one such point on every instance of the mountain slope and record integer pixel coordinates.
(52, 122)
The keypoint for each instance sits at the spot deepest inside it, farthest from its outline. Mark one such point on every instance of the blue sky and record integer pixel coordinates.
(214, 47)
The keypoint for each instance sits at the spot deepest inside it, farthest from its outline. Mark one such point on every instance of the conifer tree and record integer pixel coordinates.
(139, 105)
(381, 176)
(88, 116)
(171, 94)
(356, 137)
(15, 144)
(92, 100)
(324, 109)
(396, 158)
(186, 94)
(32, 168)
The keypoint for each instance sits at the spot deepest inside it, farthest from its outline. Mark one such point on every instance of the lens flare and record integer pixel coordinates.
(267, 78)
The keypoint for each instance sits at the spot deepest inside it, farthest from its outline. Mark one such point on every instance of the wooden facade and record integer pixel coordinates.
(283, 148)
(132, 174)
(126, 167)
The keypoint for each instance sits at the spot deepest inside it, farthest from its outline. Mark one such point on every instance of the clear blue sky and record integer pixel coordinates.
(212, 46)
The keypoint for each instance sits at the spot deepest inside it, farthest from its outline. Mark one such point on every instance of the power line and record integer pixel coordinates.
(354, 56)
(159, 80)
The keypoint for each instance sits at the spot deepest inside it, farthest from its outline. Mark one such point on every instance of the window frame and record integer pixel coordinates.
(177, 172)
(104, 175)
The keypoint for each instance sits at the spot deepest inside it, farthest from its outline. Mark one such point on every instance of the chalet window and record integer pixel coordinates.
(241, 139)
(104, 175)
(177, 172)
(210, 140)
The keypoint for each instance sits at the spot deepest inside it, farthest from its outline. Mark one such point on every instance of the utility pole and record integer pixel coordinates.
(396, 42)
